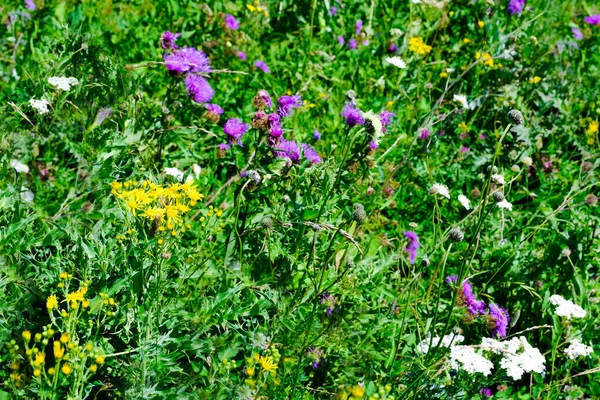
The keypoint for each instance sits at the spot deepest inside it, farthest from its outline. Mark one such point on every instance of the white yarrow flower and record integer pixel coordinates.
(395, 32)
(464, 201)
(566, 308)
(175, 173)
(447, 341)
(26, 195)
(440, 189)
(19, 166)
(462, 99)
(62, 82)
(465, 357)
(396, 62)
(518, 356)
(505, 204)
(499, 179)
(576, 349)
(40, 105)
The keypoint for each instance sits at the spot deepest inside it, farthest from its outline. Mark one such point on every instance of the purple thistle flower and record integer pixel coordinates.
(235, 128)
(288, 149)
(341, 40)
(332, 11)
(188, 60)
(224, 146)
(214, 108)
(260, 64)
(577, 34)
(316, 135)
(413, 244)
(516, 6)
(593, 19)
(275, 129)
(264, 96)
(424, 134)
(198, 88)
(373, 145)
(500, 315)
(386, 118)
(167, 40)
(393, 48)
(287, 104)
(358, 26)
(352, 115)
(487, 392)
(451, 279)
(231, 22)
(310, 154)
(30, 5)
(241, 55)
(352, 44)
(474, 306)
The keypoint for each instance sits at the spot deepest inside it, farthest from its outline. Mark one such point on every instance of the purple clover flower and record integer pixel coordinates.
(260, 64)
(168, 39)
(241, 55)
(341, 40)
(287, 104)
(464, 149)
(516, 6)
(365, 42)
(392, 48)
(30, 5)
(500, 315)
(352, 115)
(310, 154)
(316, 135)
(474, 306)
(386, 119)
(235, 128)
(288, 149)
(352, 44)
(424, 134)
(358, 26)
(214, 108)
(593, 19)
(451, 279)
(102, 114)
(413, 244)
(332, 11)
(577, 34)
(198, 88)
(231, 22)
(187, 60)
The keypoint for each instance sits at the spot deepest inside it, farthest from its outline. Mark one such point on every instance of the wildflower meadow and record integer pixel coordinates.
(279, 199)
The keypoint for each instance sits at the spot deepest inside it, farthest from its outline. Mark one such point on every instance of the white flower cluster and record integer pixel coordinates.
(62, 82)
(179, 174)
(447, 341)
(464, 201)
(396, 62)
(576, 349)
(40, 105)
(462, 99)
(518, 356)
(505, 204)
(440, 189)
(465, 357)
(566, 308)
(499, 179)
(19, 166)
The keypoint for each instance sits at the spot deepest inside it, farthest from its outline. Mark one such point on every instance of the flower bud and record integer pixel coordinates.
(457, 235)
(359, 213)
(498, 196)
(515, 117)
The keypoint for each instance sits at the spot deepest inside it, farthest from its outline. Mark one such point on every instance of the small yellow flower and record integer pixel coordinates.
(467, 41)
(66, 369)
(250, 371)
(51, 371)
(38, 337)
(268, 364)
(481, 24)
(40, 358)
(417, 45)
(535, 79)
(26, 336)
(59, 351)
(593, 128)
(64, 338)
(463, 127)
(89, 347)
(451, 13)
(51, 303)
(100, 360)
(37, 372)
(94, 368)
(443, 74)
(358, 391)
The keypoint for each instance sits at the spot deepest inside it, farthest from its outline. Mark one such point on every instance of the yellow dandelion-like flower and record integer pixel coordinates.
(593, 128)
(51, 302)
(26, 336)
(40, 358)
(94, 368)
(37, 372)
(487, 58)
(481, 24)
(59, 351)
(66, 369)
(417, 45)
(535, 79)
(64, 338)
(77, 295)
(268, 364)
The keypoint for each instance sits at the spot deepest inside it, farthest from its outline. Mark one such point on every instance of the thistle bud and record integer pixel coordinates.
(359, 214)
(266, 222)
(515, 117)
(457, 235)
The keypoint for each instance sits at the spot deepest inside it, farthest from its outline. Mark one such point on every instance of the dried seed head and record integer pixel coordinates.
(370, 191)
(359, 214)
(457, 235)
(498, 196)
(515, 117)
(591, 200)
(211, 116)
(266, 222)
(587, 166)
(475, 193)
(260, 121)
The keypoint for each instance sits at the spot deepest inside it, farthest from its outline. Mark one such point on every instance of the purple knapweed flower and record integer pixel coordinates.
(386, 119)
(330, 302)
(373, 145)
(316, 135)
(30, 5)
(214, 108)
(288, 149)
(168, 39)
(275, 129)
(500, 316)
(231, 22)
(451, 279)
(198, 88)
(260, 64)
(487, 392)
(287, 104)
(263, 96)
(352, 44)
(593, 19)
(424, 134)
(474, 306)
(332, 11)
(341, 40)
(577, 34)
(310, 154)
(187, 60)
(358, 26)
(352, 115)
(413, 244)
(392, 48)
(235, 128)
(516, 6)
(224, 146)
(241, 55)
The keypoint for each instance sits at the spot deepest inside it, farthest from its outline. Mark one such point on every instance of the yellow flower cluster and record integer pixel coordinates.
(163, 205)
(535, 79)
(487, 58)
(417, 45)
(592, 132)
(257, 7)
(347, 392)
